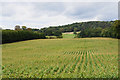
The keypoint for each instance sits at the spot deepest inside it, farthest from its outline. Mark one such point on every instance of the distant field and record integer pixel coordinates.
(61, 58)
(68, 35)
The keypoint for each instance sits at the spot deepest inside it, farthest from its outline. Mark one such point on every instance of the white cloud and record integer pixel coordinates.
(38, 15)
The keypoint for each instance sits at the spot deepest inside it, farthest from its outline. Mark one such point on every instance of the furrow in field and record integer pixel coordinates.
(86, 61)
(47, 71)
(112, 59)
(103, 60)
(99, 60)
(64, 66)
(79, 64)
(67, 68)
(73, 68)
(42, 72)
(82, 65)
(92, 64)
(95, 61)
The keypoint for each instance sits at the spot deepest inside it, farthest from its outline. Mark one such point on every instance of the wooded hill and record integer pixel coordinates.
(86, 29)
(79, 26)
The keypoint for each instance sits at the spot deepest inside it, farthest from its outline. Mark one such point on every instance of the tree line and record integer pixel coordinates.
(9, 36)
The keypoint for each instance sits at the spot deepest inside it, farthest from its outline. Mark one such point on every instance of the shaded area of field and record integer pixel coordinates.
(61, 58)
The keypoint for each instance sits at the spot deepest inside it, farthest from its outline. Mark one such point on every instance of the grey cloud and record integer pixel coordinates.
(56, 12)
(93, 9)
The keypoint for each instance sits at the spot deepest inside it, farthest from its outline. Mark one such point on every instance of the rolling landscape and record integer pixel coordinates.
(59, 41)
(60, 57)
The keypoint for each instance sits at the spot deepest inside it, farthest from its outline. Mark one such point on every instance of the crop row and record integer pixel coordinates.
(87, 64)
(79, 52)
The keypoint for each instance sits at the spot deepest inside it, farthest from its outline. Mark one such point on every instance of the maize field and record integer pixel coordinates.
(61, 58)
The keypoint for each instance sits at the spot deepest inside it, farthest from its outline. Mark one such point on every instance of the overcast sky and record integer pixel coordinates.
(44, 14)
